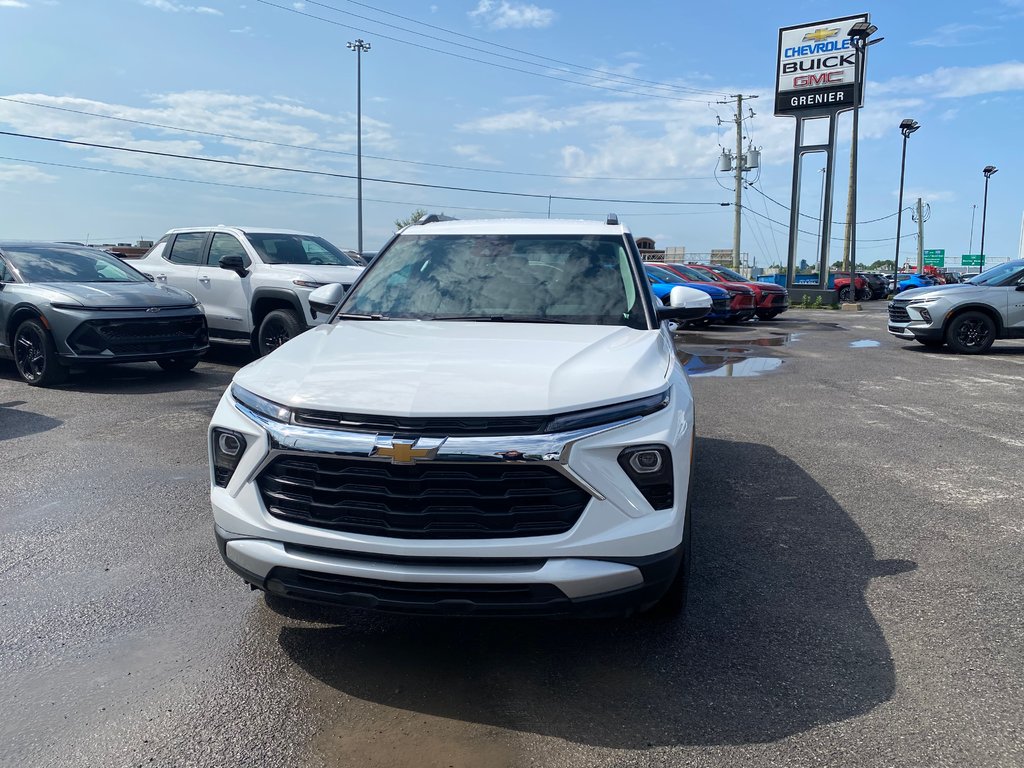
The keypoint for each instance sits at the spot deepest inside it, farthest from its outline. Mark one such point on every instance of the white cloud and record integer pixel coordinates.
(22, 174)
(299, 6)
(169, 6)
(527, 121)
(954, 36)
(247, 31)
(927, 195)
(13, 4)
(508, 15)
(474, 153)
(959, 82)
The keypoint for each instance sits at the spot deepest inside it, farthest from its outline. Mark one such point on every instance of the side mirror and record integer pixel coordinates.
(148, 276)
(325, 298)
(685, 304)
(235, 263)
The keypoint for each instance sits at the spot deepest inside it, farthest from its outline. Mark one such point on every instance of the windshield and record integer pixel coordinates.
(729, 274)
(539, 278)
(696, 275)
(1003, 274)
(297, 249)
(45, 264)
(663, 275)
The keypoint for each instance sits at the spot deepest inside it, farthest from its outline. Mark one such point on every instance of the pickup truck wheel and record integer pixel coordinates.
(277, 327)
(971, 333)
(178, 364)
(844, 295)
(35, 356)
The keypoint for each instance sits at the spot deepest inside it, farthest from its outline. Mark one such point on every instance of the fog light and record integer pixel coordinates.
(925, 314)
(227, 447)
(645, 462)
(650, 469)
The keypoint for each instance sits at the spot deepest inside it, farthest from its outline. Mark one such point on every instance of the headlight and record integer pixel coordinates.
(308, 283)
(607, 414)
(261, 405)
(59, 305)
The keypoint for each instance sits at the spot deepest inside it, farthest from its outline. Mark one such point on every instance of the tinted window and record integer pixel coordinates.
(297, 249)
(570, 279)
(187, 248)
(226, 245)
(40, 264)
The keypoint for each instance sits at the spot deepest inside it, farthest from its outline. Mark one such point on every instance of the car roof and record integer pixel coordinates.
(48, 244)
(246, 230)
(516, 227)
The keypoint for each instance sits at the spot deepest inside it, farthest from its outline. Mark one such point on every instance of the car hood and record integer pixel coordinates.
(406, 368)
(125, 295)
(320, 273)
(960, 289)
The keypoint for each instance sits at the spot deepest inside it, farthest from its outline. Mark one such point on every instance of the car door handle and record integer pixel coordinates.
(204, 280)
(161, 278)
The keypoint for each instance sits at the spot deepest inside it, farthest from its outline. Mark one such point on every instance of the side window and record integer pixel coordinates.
(226, 245)
(5, 275)
(187, 248)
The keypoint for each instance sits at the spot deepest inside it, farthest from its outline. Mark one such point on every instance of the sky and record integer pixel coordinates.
(487, 108)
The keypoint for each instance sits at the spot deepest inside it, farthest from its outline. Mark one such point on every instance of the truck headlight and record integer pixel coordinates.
(261, 405)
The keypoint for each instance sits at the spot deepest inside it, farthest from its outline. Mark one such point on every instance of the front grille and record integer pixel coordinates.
(719, 305)
(421, 501)
(898, 312)
(140, 336)
(413, 597)
(423, 427)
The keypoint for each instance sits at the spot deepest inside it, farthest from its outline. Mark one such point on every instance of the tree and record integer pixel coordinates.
(418, 214)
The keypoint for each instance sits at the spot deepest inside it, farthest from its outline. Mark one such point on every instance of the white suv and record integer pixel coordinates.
(254, 284)
(492, 421)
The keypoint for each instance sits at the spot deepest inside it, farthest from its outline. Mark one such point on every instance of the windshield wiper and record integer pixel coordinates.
(356, 316)
(498, 319)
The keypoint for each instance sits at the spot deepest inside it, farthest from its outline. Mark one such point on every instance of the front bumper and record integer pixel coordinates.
(123, 336)
(620, 552)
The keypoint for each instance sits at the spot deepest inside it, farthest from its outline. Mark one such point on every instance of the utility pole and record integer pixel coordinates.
(741, 163)
(920, 237)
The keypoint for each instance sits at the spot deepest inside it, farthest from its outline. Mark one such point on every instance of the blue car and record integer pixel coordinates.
(913, 281)
(663, 281)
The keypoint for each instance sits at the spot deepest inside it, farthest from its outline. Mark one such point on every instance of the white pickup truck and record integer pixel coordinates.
(492, 421)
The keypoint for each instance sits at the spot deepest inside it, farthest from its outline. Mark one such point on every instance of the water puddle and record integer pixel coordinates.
(864, 343)
(727, 365)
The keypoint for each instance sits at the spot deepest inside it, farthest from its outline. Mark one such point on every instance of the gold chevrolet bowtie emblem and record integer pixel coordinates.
(820, 35)
(406, 451)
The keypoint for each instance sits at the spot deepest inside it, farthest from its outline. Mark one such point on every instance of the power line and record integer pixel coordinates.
(599, 72)
(470, 58)
(818, 220)
(419, 204)
(815, 234)
(330, 174)
(233, 137)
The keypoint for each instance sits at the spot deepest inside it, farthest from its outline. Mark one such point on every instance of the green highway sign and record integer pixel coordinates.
(935, 257)
(971, 260)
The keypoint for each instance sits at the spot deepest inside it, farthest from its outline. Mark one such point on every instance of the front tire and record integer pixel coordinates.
(35, 356)
(971, 333)
(178, 364)
(277, 327)
(845, 295)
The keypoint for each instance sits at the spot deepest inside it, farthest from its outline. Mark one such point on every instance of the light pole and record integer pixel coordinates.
(360, 48)
(988, 170)
(974, 210)
(859, 34)
(907, 127)
(821, 211)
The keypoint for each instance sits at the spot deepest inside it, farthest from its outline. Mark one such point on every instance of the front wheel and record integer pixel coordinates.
(35, 356)
(866, 295)
(178, 364)
(277, 327)
(845, 295)
(971, 333)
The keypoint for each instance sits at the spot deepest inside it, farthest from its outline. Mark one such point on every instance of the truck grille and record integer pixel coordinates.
(140, 336)
(421, 501)
(898, 312)
(719, 305)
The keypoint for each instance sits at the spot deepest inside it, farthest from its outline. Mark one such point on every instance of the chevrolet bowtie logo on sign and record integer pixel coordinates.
(821, 35)
(406, 451)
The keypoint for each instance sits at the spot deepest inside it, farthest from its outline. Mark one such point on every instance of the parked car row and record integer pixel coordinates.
(734, 298)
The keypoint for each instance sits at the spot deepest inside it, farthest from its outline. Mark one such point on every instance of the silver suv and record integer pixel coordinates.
(967, 317)
(253, 283)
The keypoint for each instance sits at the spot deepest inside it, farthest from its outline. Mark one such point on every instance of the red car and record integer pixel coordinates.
(772, 300)
(742, 299)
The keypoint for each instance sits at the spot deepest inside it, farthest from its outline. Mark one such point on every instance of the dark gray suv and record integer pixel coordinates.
(64, 306)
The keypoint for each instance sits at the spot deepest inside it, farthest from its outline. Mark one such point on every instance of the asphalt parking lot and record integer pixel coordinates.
(857, 597)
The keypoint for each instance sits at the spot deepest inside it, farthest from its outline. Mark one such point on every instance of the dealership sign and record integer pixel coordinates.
(816, 69)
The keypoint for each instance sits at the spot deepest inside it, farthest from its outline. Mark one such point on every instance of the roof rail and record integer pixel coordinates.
(431, 218)
(612, 220)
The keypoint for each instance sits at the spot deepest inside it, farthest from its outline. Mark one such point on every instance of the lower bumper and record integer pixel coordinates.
(451, 586)
(72, 359)
(900, 332)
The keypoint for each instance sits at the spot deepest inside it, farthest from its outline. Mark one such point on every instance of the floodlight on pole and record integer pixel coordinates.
(907, 127)
(360, 47)
(988, 170)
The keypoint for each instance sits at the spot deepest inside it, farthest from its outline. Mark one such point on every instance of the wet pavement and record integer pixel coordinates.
(857, 593)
